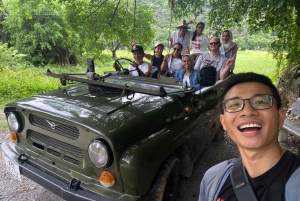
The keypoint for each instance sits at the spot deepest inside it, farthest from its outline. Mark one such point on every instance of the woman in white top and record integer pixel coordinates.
(172, 62)
(200, 41)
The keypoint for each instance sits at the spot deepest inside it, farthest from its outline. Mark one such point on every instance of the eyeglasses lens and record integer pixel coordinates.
(214, 43)
(258, 102)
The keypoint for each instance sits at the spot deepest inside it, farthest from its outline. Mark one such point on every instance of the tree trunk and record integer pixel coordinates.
(114, 53)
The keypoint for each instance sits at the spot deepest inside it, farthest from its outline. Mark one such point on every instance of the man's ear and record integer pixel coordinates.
(222, 121)
(281, 116)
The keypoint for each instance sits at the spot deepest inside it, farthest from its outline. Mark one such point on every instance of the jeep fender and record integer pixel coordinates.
(140, 163)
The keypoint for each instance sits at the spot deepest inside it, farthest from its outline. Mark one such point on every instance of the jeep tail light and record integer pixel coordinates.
(107, 179)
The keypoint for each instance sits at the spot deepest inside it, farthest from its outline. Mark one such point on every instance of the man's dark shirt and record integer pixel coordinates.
(269, 186)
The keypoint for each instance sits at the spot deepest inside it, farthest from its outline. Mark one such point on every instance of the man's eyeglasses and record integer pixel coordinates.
(214, 43)
(258, 102)
(177, 49)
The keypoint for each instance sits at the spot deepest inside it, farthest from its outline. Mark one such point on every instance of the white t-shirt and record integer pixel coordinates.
(185, 41)
(186, 79)
(206, 59)
(200, 44)
(144, 67)
(174, 64)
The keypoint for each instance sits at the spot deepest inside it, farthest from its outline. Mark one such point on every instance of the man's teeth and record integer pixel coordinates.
(250, 126)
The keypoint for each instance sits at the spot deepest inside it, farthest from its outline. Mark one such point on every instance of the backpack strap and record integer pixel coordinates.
(240, 182)
(292, 187)
(213, 188)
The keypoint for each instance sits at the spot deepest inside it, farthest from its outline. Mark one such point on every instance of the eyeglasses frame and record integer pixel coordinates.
(225, 101)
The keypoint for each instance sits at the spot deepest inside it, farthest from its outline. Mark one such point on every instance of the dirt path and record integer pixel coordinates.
(216, 152)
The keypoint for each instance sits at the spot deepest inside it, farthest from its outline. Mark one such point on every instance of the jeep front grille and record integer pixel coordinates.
(59, 128)
(49, 141)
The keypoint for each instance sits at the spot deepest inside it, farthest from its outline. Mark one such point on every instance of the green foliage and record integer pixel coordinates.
(279, 16)
(17, 83)
(37, 28)
(107, 25)
(11, 58)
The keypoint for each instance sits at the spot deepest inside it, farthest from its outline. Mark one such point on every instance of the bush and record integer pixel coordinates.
(11, 58)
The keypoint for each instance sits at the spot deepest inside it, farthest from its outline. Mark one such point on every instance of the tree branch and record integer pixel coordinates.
(113, 16)
(97, 8)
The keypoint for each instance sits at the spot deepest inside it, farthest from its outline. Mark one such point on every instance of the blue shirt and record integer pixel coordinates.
(194, 77)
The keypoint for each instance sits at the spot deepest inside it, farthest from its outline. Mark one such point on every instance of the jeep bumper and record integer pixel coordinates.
(56, 186)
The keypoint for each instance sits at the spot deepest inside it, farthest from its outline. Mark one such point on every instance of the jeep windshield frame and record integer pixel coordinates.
(143, 85)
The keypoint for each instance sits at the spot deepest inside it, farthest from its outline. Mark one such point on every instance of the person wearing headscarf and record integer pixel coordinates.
(228, 46)
(188, 76)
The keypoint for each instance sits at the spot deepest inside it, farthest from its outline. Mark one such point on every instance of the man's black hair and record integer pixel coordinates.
(249, 77)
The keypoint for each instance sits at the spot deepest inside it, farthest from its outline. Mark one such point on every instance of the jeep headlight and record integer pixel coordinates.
(14, 122)
(98, 153)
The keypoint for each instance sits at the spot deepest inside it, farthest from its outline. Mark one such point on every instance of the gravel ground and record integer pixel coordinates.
(216, 152)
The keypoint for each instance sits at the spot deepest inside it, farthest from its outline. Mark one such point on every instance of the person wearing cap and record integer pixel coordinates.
(188, 76)
(139, 67)
(182, 36)
(157, 58)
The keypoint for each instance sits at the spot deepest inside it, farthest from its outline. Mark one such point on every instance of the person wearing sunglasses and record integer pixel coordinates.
(228, 47)
(182, 36)
(200, 41)
(188, 76)
(172, 62)
(251, 114)
(214, 58)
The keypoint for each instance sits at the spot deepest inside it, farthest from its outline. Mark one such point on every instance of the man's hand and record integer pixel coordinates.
(134, 64)
(133, 42)
(190, 22)
(167, 58)
(230, 60)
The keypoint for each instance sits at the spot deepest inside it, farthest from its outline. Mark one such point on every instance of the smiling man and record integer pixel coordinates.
(251, 115)
(215, 59)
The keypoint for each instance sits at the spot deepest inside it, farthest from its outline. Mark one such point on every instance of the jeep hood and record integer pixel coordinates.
(108, 113)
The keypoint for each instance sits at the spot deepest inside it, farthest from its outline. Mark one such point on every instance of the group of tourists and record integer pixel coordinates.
(219, 52)
(251, 115)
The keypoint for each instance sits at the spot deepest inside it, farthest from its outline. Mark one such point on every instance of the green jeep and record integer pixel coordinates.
(112, 137)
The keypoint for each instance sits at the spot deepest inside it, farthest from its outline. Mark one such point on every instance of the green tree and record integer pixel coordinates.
(109, 24)
(280, 16)
(37, 29)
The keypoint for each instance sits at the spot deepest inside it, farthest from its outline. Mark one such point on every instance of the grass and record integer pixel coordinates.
(258, 62)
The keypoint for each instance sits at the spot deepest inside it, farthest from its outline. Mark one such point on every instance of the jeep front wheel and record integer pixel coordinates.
(165, 185)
